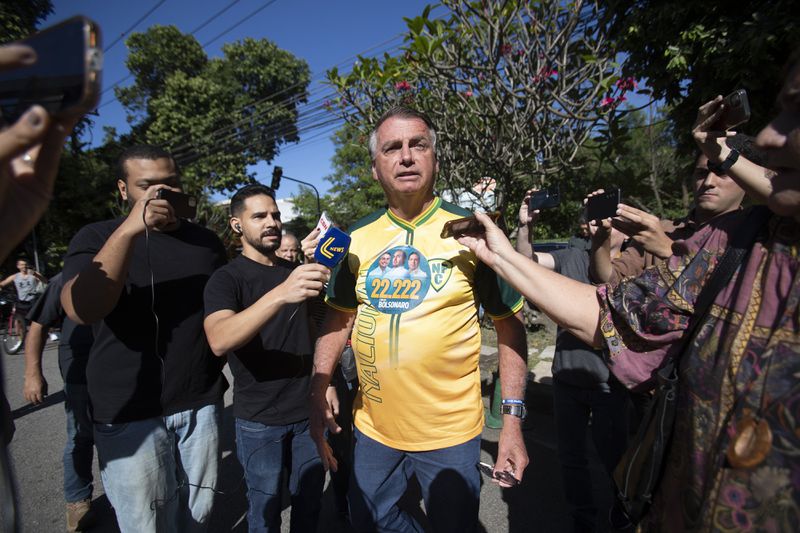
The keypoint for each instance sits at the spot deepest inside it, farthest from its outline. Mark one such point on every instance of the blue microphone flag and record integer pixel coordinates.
(332, 248)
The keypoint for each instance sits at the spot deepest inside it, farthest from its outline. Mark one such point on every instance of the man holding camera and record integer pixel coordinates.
(257, 312)
(417, 345)
(155, 387)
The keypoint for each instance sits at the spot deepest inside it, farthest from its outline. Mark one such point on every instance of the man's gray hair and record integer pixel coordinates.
(400, 112)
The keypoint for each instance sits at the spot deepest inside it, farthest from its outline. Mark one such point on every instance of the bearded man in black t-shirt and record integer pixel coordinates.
(155, 387)
(257, 314)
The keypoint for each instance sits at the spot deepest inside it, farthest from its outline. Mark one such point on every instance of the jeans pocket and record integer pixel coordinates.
(110, 430)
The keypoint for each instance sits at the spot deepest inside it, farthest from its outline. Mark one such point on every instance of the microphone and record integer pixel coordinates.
(332, 247)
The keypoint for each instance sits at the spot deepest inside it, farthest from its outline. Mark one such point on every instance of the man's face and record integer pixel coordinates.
(22, 266)
(384, 260)
(413, 262)
(260, 220)
(142, 173)
(781, 140)
(289, 249)
(399, 258)
(404, 163)
(714, 195)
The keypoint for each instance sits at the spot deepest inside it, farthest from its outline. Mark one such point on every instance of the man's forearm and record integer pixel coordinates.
(524, 246)
(569, 303)
(335, 332)
(34, 346)
(93, 293)
(234, 331)
(512, 351)
(600, 268)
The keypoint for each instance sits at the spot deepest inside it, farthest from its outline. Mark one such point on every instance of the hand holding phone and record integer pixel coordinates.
(185, 206)
(64, 79)
(500, 475)
(603, 205)
(463, 226)
(736, 112)
(544, 199)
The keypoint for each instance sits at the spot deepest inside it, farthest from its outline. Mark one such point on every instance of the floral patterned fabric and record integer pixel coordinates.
(744, 361)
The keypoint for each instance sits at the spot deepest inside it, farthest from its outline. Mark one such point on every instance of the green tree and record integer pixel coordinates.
(690, 52)
(514, 87)
(20, 18)
(218, 116)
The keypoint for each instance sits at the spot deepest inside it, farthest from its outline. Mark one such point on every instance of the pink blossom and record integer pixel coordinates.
(553, 73)
(402, 86)
(468, 93)
(606, 101)
(621, 98)
(626, 84)
(506, 49)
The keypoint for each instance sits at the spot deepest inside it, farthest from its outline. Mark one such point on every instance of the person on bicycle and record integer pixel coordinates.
(25, 283)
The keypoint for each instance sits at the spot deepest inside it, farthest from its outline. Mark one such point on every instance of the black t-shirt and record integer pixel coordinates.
(75, 340)
(575, 362)
(271, 372)
(131, 374)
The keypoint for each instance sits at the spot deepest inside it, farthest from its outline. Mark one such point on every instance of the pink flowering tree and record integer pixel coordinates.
(514, 87)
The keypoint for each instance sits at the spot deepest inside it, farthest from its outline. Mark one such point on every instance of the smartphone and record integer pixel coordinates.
(65, 79)
(544, 199)
(462, 226)
(603, 205)
(500, 475)
(737, 110)
(185, 206)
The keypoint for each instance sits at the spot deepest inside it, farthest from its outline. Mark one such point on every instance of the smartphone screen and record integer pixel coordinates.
(65, 75)
(603, 205)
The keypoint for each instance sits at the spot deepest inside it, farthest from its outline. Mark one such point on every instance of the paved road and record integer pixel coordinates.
(537, 505)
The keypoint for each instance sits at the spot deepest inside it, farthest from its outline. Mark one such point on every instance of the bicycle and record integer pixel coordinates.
(13, 336)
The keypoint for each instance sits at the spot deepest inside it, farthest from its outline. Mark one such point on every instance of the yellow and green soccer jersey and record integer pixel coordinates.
(416, 336)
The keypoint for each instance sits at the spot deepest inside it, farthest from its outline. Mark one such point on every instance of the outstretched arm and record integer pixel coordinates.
(228, 330)
(570, 304)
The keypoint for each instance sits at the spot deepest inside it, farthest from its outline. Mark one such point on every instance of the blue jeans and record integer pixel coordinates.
(79, 449)
(160, 473)
(449, 479)
(138, 471)
(195, 440)
(263, 451)
(575, 407)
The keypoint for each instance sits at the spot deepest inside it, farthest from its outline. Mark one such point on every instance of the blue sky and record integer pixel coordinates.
(325, 34)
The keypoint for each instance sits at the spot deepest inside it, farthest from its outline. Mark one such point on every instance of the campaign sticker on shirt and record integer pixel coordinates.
(398, 280)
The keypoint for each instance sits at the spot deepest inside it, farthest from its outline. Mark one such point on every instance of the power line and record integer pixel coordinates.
(123, 34)
(242, 21)
(200, 27)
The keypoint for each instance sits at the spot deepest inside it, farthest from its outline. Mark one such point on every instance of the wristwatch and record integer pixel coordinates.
(515, 408)
(721, 169)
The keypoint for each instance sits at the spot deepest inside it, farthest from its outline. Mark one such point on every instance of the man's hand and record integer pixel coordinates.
(305, 281)
(309, 245)
(158, 214)
(643, 228)
(35, 387)
(512, 455)
(323, 417)
(29, 153)
(525, 217)
(711, 141)
(490, 245)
